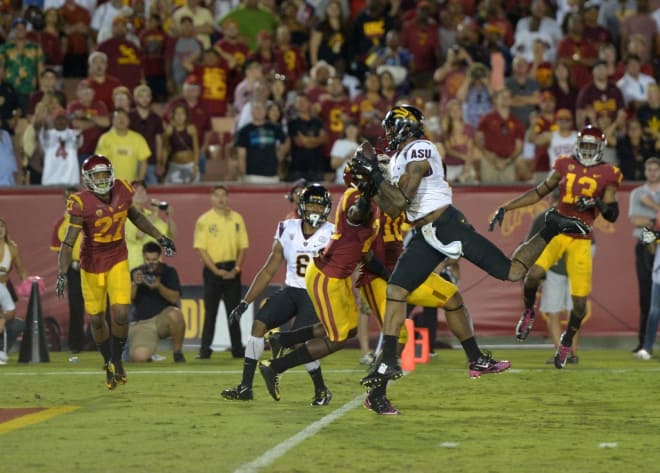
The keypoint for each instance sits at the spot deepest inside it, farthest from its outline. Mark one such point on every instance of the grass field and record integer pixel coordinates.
(602, 415)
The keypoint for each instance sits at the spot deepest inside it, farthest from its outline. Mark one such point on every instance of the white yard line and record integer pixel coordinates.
(93, 372)
(312, 429)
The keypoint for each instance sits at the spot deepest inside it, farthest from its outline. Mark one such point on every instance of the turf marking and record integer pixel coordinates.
(608, 445)
(312, 429)
(35, 418)
(448, 444)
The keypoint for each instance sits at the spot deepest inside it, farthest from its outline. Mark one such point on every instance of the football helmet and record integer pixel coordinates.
(590, 146)
(401, 123)
(314, 194)
(98, 174)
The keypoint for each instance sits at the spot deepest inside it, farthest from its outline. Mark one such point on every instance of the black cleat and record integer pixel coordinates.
(566, 224)
(271, 379)
(178, 357)
(120, 373)
(276, 347)
(110, 380)
(381, 374)
(322, 397)
(204, 354)
(239, 393)
(380, 405)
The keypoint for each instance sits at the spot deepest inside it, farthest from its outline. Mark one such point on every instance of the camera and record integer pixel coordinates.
(478, 71)
(161, 204)
(148, 273)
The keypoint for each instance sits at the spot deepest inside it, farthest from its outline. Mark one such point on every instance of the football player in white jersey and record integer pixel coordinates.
(297, 241)
(417, 186)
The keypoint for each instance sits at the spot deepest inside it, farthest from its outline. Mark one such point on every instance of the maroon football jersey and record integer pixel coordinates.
(589, 181)
(349, 243)
(387, 247)
(103, 243)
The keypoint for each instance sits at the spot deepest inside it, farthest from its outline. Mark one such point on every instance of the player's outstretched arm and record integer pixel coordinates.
(65, 255)
(265, 275)
(143, 223)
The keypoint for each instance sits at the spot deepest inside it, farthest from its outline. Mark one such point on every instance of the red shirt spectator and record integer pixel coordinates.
(369, 108)
(212, 74)
(87, 114)
(197, 113)
(102, 83)
(232, 46)
(500, 134)
(124, 57)
(334, 109)
(75, 24)
(598, 96)
(291, 61)
(154, 43)
(577, 52)
(420, 36)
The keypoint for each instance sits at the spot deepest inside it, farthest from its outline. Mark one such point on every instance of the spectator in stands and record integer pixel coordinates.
(368, 30)
(344, 148)
(468, 37)
(388, 88)
(561, 141)
(592, 29)
(90, 116)
(538, 132)
(599, 95)
(499, 140)
(155, 301)
(393, 57)
(50, 40)
(640, 22)
(451, 75)
(649, 114)
(202, 21)
(370, 107)
(180, 153)
(419, 35)
(611, 12)
(251, 19)
(291, 60)
(265, 54)
(319, 76)
(577, 51)
(8, 167)
(234, 50)
(9, 111)
(253, 72)
(540, 68)
(308, 138)
(457, 138)
(127, 150)
(449, 17)
(102, 83)
(47, 90)
(298, 20)
(607, 53)
(524, 91)
(261, 146)
(333, 109)
(124, 57)
(562, 88)
(149, 124)
(22, 62)
(221, 240)
(613, 129)
(280, 94)
(637, 44)
(153, 41)
(633, 150)
(121, 98)
(536, 26)
(182, 52)
(59, 144)
(475, 94)
(213, 73)
(154, 210)
(104, 17)
(329, 39)
(634, 84)
(76, 26)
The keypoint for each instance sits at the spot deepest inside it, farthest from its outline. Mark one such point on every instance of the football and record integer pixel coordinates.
(367, 150)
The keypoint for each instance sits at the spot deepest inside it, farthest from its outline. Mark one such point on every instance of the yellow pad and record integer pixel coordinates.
(578, 261)
(115, 284)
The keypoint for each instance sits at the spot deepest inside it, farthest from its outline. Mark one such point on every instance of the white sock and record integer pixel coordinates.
(254, 347)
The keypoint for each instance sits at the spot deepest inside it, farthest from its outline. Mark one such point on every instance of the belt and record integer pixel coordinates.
(226, 265)
(432, 217)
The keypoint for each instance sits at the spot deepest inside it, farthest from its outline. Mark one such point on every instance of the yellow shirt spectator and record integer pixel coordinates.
(136, 238)
(222, 235)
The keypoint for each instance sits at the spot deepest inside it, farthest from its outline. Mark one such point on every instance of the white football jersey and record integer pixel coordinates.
(298, 250)
(433, 191)
(561, 146)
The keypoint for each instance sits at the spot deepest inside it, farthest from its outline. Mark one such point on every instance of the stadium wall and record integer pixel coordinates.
(494, 305)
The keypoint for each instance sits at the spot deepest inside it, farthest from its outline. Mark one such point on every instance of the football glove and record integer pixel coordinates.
(168, 245)
(648, 236)
(585, 203)
(497, 218)
(60, 284)
(364, 169)
(235, 315)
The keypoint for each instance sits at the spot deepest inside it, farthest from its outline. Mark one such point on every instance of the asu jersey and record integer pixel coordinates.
(434, 191)
(349, 243)
(589, 181)
(298, 250)
(103, 243)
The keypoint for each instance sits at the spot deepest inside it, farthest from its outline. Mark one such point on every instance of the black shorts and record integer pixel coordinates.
(284, 305)
(419, 258)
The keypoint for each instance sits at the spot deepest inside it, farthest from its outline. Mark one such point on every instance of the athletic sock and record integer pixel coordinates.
(104, 348)
(471, 349)
(574, 324)
(299, 356)
(249, 367)
(118, 344)
(317, 379)
(529, 296)
(294, 337)
(389, 349)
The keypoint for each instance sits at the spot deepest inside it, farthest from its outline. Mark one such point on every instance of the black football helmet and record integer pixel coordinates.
(401, 123)
(314, 194)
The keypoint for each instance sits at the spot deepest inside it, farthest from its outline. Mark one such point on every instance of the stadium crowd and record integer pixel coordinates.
(178, 91)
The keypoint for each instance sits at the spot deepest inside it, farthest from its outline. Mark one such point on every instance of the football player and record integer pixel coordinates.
(99, 212)
(297, 241)
(587, 188)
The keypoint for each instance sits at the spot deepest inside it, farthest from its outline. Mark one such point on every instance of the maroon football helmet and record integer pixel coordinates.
(98, 175)
(590, 146)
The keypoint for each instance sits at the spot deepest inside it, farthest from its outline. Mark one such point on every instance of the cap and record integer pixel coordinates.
(599, 62)
(263, 35)
(547, 95)
(192, 79)
(19, 21)
(564, 113)
(493, 28)
(119, 20)
(85, 84)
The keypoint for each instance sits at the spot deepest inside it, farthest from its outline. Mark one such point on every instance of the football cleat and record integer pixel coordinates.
(380, 405)
(381, 375)
(239, 393)
(120, 373)
(642, 354)
(178, 357)
(487, 365)
(273, 339)
(271, 379)
(525, 324)
(110, 380)
(322, 397)
(566, 224)
(562, 353)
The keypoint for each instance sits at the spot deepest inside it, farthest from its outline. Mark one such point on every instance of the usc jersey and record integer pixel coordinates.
(103, 243)
(349, 243)
(387, 246)
(298, 251)
(578, 180)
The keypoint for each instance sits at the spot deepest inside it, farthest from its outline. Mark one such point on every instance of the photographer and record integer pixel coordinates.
(475, 93)
(153, 209)
(155, 297)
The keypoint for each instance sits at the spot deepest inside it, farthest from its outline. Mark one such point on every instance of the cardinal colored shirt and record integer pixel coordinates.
(124, 61)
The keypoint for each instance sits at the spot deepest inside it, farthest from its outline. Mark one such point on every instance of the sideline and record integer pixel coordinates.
(312, 429)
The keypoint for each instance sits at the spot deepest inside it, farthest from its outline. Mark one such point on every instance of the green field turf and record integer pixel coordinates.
(602, 415)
